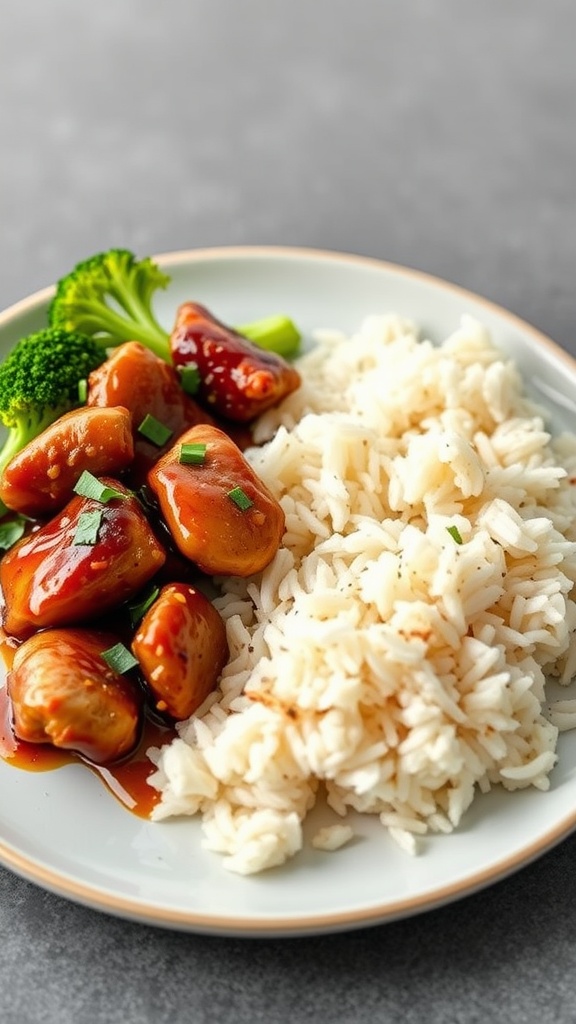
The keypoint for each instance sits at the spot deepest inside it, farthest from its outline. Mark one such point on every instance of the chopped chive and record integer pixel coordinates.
(455, 533)
(192, 454)
(119, 658)
(190, 378)
(82, 390)
(240, 498)
(88, 527)
(139, 606)
(155, 431)
(11, 531)
(88, 486)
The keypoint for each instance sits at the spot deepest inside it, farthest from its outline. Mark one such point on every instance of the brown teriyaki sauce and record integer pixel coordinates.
(127, 779)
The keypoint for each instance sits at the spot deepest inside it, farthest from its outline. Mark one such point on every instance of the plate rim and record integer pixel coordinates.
(274, 925)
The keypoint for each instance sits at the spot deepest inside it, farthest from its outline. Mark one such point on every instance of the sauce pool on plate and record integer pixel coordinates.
(127, 780)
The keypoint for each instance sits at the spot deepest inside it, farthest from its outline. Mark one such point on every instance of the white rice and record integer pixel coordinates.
(394, 653)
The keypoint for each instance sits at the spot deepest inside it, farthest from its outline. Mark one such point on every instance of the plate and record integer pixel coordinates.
(64, 831)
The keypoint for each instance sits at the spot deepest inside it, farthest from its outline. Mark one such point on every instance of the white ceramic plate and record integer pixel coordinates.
(63, 830)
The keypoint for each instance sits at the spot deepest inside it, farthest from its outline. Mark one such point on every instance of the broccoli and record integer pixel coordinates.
(275, 333)
(39, 381)
(109, 297)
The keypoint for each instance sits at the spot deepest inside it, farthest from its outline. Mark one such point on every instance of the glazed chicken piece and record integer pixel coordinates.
(52, 578)
(148, 386)
(63, 692)
(40, 479)
(182, 648)
(219, 513)
(237, 379)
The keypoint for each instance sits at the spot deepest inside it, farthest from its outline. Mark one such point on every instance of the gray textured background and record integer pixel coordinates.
(440, 135)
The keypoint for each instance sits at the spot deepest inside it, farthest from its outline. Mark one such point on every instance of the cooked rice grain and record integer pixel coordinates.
(395, 650)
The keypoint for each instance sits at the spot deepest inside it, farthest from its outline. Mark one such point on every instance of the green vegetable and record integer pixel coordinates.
(240, 498)
(88, 486)
(192, 454)
(109, 298)
(455, 533)
(88, 527)
(138, 607)
(39, 382)
(275, 333)
(189, 378)
(11, 530)
(119, 658)
(155, 431)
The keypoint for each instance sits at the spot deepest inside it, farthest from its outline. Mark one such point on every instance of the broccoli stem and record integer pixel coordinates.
(18, 436)
(136, 302)
(274, 333)
(112, 329)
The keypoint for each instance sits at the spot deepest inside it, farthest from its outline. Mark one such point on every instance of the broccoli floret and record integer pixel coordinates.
(39, 382)
(109, 297)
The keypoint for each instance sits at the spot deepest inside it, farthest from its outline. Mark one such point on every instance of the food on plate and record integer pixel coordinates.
(39, 382)
(219, 513)
(391, 564)
(235, 378)
(63, 692)
(393, 654)
(87, 559)
(102, 303)
(147, 386)
(40, 479)
(90, 542)
(109, 298)
(181, 648)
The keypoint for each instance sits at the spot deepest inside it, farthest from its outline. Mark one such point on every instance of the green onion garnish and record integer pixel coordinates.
(190, 378)
(88, 527)
(119, 658)
(155, 431)
(240, 498)
(11, 531)
(139, 606)
(88, 486)
(82, 390)
(455, 533)
(192, 454)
